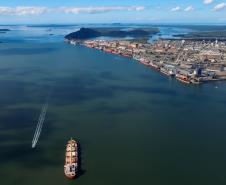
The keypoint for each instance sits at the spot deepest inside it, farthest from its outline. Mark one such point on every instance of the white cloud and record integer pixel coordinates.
(219, 7)
(5, 10)
(22, 10)
(189, 9)
(177, 8)
(26, 10)
(94, 10)
(208, 1)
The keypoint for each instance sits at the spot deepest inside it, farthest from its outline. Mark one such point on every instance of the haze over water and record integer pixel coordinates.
(134, 125)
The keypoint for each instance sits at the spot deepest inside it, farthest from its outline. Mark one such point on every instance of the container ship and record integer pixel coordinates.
(71, 159)
(166, 72)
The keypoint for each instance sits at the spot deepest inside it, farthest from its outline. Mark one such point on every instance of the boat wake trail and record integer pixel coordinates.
(39, 125)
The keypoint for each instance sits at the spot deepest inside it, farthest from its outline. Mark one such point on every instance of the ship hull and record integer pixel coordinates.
(185, 81)
(71, 160)
(70, 177)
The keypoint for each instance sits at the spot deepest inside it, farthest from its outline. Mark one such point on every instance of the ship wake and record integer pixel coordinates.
(38, 129)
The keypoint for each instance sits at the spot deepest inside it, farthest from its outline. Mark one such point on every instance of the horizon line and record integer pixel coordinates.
(117, 23)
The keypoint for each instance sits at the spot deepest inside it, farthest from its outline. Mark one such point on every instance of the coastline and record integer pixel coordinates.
(133, 50)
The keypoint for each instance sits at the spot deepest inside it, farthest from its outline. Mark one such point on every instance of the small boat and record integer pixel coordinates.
(71, 159)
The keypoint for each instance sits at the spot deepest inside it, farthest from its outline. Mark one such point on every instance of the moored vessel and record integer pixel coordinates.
(183, 79)
(144, 62)
(71, 159)
(164, 71)
(154, 66)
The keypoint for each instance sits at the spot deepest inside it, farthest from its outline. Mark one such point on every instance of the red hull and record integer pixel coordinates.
(186, 81)
(71, 178)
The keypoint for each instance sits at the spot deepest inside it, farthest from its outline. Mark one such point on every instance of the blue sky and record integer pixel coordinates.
(109, 11)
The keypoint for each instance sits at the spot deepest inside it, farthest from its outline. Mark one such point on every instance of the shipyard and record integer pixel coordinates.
(189, 61)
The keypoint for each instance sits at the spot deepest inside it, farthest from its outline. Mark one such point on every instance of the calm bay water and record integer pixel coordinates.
(134, 125)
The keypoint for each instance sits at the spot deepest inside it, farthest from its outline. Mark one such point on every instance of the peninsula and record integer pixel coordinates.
(87, 33)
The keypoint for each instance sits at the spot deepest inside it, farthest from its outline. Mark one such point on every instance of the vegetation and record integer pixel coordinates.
(4, 30)
(87, 33)
(83, 33)
(207, 35)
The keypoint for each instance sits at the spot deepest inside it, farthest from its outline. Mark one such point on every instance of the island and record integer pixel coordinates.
(88, 33)
(4, 30)
(204, 35)
(189, 61)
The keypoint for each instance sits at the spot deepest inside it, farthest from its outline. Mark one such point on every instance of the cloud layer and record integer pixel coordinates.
(176, 9)
(189, 9)
(93, 10)
(208, 1)
(219, 7)
(27, 10)
(22, 10)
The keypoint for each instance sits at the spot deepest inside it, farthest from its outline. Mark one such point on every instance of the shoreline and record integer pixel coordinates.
(131, 49)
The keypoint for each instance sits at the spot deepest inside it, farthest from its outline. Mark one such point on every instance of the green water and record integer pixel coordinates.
(134, 125)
